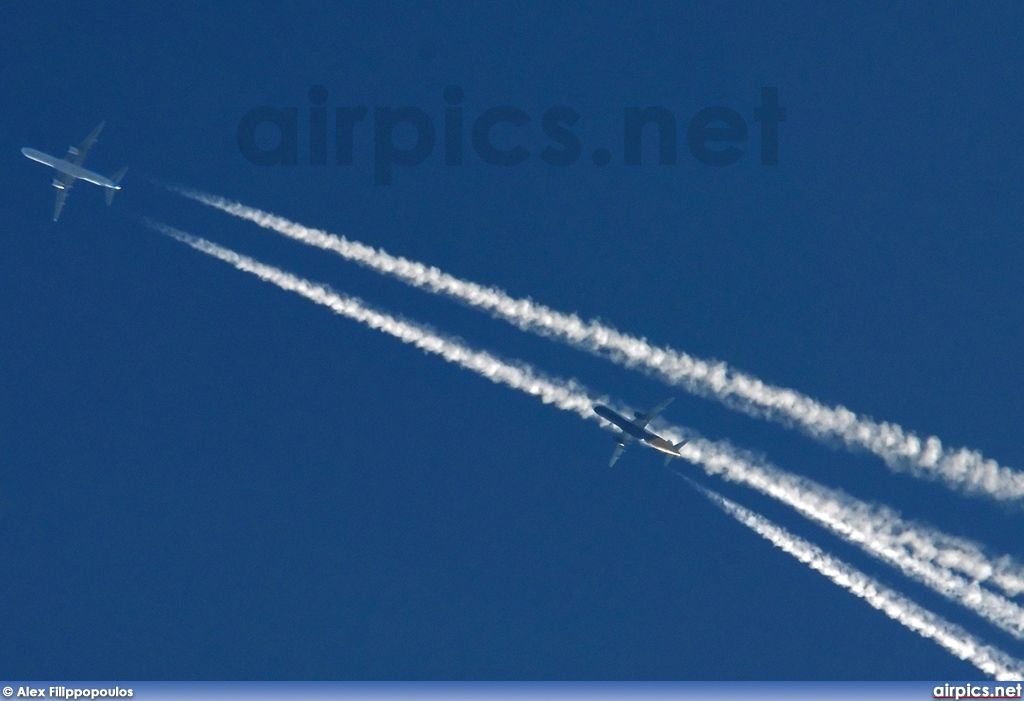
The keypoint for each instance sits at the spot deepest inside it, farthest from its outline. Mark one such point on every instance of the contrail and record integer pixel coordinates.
(573, 398)
(965, 470)
(880, 532)
(901, 609)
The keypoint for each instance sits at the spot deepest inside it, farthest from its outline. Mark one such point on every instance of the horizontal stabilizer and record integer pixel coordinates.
(116, 179)
(677, 446)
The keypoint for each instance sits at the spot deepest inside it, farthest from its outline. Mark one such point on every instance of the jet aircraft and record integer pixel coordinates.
(637, 428)
(70, 169)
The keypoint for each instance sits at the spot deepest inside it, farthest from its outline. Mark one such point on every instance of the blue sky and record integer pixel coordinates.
(205, 477)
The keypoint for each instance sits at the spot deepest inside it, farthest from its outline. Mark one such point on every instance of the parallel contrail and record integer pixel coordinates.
(901, 609)
(965, 470)
(879, 532)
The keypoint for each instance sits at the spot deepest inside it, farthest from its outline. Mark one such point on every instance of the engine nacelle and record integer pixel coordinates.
(72, 151)
(58, 184)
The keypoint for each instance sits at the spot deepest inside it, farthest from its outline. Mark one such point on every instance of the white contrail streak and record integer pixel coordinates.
(901, 609)
(880, 532)
(965, 470)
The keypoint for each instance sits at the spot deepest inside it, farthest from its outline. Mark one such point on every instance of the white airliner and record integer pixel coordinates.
(70, 169)
(637, 428)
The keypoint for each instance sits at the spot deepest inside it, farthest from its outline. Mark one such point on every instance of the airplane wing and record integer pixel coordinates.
(619, 449)
(62, 194)
(642, 420)
(623, 441)
(77, 155)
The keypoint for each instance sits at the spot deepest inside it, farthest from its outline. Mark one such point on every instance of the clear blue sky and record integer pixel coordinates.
(204, 477)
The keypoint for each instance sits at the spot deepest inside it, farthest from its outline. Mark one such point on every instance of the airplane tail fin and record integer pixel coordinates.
(677, 446)
(116, 179)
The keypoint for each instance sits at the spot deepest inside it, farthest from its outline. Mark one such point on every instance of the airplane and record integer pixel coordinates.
(637, 428)
(70, 169)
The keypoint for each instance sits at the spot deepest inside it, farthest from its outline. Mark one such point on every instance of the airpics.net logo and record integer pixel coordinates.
(406, 136)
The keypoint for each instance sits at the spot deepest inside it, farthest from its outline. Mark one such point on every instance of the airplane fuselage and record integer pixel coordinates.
(76, 172)
(630, 428)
